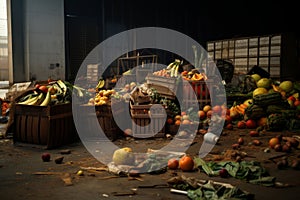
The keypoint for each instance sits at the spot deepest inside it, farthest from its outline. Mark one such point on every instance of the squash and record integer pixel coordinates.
(267, 99)
(254, 112)
(276, 122)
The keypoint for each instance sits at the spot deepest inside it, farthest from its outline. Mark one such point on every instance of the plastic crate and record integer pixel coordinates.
(141, 118)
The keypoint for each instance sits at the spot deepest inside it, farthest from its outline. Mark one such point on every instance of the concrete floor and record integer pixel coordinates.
(19, 162)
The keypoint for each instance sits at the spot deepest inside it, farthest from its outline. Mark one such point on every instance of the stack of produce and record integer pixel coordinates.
(52, 93)
(277, 104)
(170, 71)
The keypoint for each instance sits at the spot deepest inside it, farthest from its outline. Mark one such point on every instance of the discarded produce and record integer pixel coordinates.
(186, 163)
(46, 157)
(173, 163)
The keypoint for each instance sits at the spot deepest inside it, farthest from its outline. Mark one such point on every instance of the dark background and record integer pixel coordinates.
(88, 22)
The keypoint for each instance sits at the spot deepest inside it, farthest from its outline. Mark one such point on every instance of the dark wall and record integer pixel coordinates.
(88, 22)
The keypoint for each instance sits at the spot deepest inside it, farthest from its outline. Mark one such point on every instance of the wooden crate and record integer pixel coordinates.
(202, 89)
(105, 118)
(166, 87)
(51, 126)
(141, 118)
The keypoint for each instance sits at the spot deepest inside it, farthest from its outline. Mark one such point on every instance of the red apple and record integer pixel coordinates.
(250, 123)
(241, 124)
(173, 163)
(46, 157)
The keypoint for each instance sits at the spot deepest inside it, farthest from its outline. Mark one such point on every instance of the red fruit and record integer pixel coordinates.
(173, 163)
(228, 119)
(296, 103)
(223, 173)
(37, 86)
(250, 123)
(292, 98)
(217, 109)
(241, 124)
(254, 133)
(46, 157)
(229, 126)
(43, 88)
(240, 141)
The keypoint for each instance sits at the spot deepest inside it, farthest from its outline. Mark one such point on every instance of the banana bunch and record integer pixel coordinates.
(54, 93)
(37, 99)
(100, 84)
(173, 67)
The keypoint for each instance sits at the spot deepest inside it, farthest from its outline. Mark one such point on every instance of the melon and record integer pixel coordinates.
(123, 156)
(260, 90)
(286, 86)
(264, 83)
(256, 77)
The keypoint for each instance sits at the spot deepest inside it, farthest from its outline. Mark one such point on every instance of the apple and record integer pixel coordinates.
(241, 124)
(250, 123)
(173, 163)
(46, 157)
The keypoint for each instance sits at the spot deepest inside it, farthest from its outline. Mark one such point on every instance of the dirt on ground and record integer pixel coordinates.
(23, 174)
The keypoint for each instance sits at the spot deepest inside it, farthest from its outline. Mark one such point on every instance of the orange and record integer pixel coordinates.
(186, 163)
(186, 121)
(201, 114)
(273, 142)
(209, 113)
(177, 122)
(262, 121)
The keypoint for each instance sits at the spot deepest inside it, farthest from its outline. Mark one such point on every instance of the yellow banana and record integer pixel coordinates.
(170, 66)
(36, 100)
(33, 98)
(46, 100)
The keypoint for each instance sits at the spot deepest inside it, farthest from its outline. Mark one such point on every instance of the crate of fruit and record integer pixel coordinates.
(147, 120)
(197, 92)
(43, 114)
(105, 117)
(51, 126)
(165, 86)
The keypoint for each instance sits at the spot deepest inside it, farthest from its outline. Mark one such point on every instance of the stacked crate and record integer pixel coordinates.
(145, 121)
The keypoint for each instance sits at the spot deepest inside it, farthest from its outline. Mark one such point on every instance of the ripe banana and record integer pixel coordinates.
(63, 86)
(36, 100)
(170, 66)
(46, 100)
(29, 100)
(100, 84)
(176, 70)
